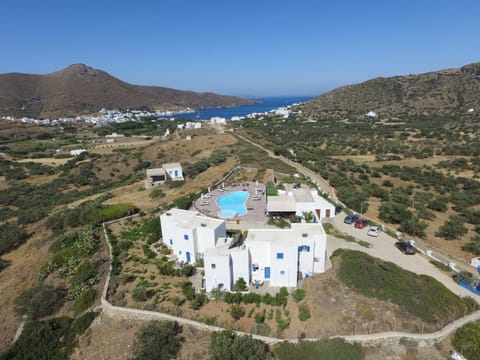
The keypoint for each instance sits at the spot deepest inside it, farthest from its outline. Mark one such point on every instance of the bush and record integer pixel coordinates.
(198, 301)
(188, 290)
(237, 312)
(187, 270)
(83, 322)
(110, 212)
(303, 313)
(4, 264)
(39, 300)
(240, 285)
(298, 295)
(158, 340)
(226, 345)
(452, 228)
(156, 194)
(467, 340)
(331, 349)
(12, 236)
(140, 293)
(84, 300)
(419, 295)
(49, 339)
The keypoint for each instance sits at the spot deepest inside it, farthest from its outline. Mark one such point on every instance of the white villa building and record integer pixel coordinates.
(278, 256)
(295, 201)
(189, 234)
(170, 171)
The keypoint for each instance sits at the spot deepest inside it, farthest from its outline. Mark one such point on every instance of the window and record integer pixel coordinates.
(254, 267)
(180, 252)
(171, 242)
(280, 256)
(213, 266)
(185, 237)
(304, 248)
(282, 272)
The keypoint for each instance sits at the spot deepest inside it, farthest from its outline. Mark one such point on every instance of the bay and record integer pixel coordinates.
(264, 105)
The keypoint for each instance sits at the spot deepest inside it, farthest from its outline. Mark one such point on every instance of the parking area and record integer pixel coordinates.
(384, 248)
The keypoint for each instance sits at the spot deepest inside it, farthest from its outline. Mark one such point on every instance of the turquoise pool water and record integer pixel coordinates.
(233, 204)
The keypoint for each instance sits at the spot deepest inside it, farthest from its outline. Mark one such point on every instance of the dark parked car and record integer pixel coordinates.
(338, 209)
(361, 223)
(350, 219)
(405, 247)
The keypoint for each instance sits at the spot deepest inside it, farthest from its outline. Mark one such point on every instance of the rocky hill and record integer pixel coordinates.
(445, 92)
(79, 89)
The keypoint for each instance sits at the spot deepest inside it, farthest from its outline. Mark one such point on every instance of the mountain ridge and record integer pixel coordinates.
(79, 89)
(443, 92)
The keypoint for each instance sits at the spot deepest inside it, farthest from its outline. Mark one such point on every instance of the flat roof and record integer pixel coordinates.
(156, 171)
(189, 219)
(172, 165)
(281, 203)
(285, 236)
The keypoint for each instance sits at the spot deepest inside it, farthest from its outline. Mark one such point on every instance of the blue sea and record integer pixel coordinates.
(264, 105)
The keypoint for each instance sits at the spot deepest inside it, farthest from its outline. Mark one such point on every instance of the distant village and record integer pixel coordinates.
(105, 117)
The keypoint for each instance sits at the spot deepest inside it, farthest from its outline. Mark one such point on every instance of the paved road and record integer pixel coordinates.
(383, 248)
(324, 185)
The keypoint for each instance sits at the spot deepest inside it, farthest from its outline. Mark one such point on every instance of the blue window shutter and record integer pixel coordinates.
(185, 237)
(300, 248)
(308, 248)
(171, 242)
(279, 255)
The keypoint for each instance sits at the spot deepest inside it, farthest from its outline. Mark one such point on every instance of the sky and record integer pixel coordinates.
(247, 48)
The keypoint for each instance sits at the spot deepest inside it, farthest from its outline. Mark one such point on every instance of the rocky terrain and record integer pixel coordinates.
(452, 92)
(79, 89)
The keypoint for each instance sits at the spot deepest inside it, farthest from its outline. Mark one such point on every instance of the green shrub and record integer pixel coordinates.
(4, 264)
(83, 322)
(39, 300)
(467, 340)
(140, 293)
(298, 295)
(240, 285)
(12, 235)
(303, 313)
(198, 301)
(158, 340)
(156, 194)
(330, 349)
(110, 212)
(84, 300)
(188, 290)
(419, 295)
(227, 345)
(49, 339)
(452, 228)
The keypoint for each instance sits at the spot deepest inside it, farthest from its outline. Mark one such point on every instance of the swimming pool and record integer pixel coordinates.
(233, 202)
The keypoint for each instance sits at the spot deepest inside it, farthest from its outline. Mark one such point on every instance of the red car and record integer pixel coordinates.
(361, 223)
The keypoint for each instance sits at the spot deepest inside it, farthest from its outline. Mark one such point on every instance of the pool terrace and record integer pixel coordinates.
(256, 202)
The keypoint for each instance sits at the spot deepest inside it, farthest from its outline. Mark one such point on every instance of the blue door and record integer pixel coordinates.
(188, 257)
(176, 173)
(267, 273)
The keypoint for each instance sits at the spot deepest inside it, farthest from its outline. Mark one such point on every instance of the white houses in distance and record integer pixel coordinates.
(170, 171)
(278, 256)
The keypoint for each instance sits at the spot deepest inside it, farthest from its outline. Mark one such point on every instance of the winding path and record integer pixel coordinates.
(116, 312)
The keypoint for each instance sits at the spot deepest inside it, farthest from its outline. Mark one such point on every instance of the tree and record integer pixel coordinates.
(452, 228)
(240, 284)
(308, 216)
(39, 300)
(237, 312)
(225, 345)
(158, 340)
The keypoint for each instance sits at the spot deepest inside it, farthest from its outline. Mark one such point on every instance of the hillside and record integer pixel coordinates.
(79, 89)
(445, 92)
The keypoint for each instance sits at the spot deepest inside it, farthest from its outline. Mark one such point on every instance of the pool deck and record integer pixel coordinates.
(256, 202)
